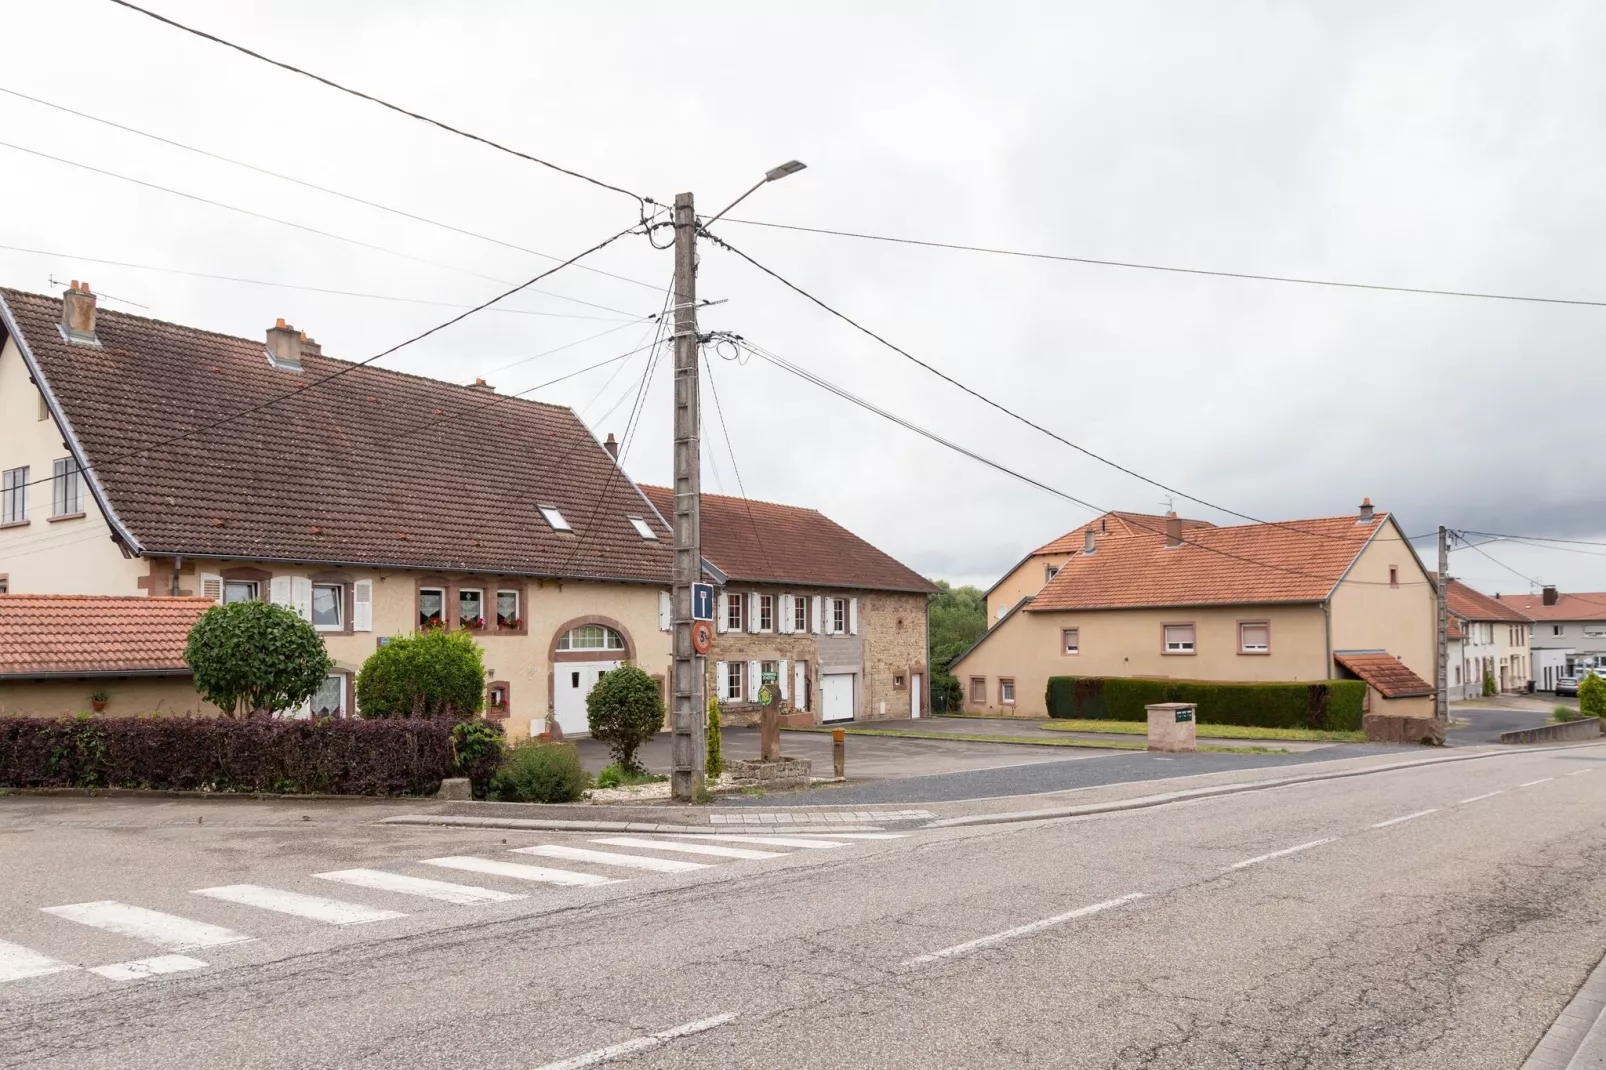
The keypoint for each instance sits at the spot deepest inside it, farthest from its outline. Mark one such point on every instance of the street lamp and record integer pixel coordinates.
(774, 174)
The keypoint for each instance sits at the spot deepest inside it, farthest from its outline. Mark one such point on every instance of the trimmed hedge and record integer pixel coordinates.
(1331, 705)
(327, 757)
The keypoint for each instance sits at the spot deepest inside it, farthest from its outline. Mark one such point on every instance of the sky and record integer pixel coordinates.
(1441, 145)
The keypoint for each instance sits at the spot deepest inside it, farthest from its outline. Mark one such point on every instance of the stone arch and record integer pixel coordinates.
(627, 654)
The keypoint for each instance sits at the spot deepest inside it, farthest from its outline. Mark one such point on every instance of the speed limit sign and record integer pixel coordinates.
(702, 636)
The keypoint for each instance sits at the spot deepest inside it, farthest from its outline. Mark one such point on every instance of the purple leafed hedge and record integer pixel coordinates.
(333, 757)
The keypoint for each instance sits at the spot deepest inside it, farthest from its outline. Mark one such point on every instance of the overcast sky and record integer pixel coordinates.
(1449, 145)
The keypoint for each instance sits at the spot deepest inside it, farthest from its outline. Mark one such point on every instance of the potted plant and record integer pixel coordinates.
(473, 624)
(433, 620)
(97, 699)
(510, 623)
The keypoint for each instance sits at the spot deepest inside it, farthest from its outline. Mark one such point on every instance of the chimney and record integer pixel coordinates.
(483, 387)
(309, 348)
(1366, 511)
(1087, 540)
(612, 446)
(1173, 531)
(1549, 596)
(78, 314)
(284, 347)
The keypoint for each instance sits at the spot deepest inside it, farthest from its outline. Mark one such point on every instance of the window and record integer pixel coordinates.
(642, 529)
(431, 607)
(496, 700)
(1071, 641)
(897, 681)
(330, 698)
(14, 496)
(839, 615)
(1179, 639)
(471, 607)
(67, 488)
(1595, 629)
(1458, 675)
(734, 605)
(734, 692)
(5, 584)
(555, 518)
(507, 609)
(328, 606)
(800, 613)
(766, 613)
(1254, 637)
(1006, 691)
(591, 637)
(1555, 629)
(1394, 576)
(978, 690)
(1050, 572)
(240, 591)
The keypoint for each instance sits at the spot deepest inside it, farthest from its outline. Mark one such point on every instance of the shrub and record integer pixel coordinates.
(715, 764)
(1564, 713)
(540, 772)
(624, 710)
(435, 673)
(1488, 681)
(251, 657)
(1333, 705)
(1592, 696)
(616, 776)
(477, 748)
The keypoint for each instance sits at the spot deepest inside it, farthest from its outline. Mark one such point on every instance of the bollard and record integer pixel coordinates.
(839, 752)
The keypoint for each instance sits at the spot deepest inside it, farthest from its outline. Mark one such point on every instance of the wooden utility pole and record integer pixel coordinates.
(688, 709)
(1441, 699)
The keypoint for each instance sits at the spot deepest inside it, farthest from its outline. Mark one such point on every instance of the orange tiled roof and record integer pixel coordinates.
(1471, 604)
(1590, 605)
(78, 635)
(1453, 628)
(1115, 522)
(1387, 673)
(1295, 561)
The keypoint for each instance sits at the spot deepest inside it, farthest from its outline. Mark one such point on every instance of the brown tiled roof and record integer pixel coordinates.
(375, 467)
(1387, 673)
(1295, 561)
(1452, 628)
(763, 542)
(1115, 522)
(1588, 606)
(95, 635)
(1471, 604)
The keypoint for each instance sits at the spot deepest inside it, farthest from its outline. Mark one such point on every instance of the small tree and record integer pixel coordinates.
(624, 710)
(1488, 680)
(435, 673)
(716, 760)
(254, 657)
(1592, 696)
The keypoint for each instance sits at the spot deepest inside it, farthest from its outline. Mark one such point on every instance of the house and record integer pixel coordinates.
(1488, 640)
(1341, 596)
(840, 624)
(1568, 627)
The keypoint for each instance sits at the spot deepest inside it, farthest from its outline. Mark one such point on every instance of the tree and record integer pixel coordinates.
(958, 618)
(1592, 696)
(1488, 681)
(435, 673)
(255, 657)
(624, 710)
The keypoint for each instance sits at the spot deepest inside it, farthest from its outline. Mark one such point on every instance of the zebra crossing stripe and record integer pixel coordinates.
(688, 848)
(139, 968)
(152, 926)
(609, 858)
(311, 907)
(18, 962)
(517, 871)
(380, 881)
(775, 841)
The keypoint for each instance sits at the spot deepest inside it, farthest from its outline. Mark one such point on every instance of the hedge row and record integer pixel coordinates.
(1334, 705)
(333, 757)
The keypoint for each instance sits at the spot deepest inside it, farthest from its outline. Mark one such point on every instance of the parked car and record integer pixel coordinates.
(1567, 685)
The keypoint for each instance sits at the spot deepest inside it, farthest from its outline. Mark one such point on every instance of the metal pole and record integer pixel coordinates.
(688, 711)
(1441, 700)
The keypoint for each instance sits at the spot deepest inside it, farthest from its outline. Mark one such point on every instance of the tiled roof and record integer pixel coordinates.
(1475, 605)
(1295, 561)
(374, 467)
(95, 635)
(1385, 672)
(763, 542)
(1452, 628)
(1588, 606)
(1115, 522)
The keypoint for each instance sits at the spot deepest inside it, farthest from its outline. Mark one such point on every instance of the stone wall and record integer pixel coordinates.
(893, 627)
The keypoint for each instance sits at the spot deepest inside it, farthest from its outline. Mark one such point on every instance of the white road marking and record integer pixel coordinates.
(133, 971)
(151, 926)
(1580, 772)
(521, 872)
(816, 843)
(1541, 780)
(1279, 854)
(17, 962)
(1020, 930)
(688, 848)
(461, 894)
(1479, 798)
(1407, 817)
(311, 907)
(640, 1044)
(610, 858)
(869, 835)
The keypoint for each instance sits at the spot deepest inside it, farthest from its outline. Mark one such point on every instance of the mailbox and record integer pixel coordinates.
(1173, 728)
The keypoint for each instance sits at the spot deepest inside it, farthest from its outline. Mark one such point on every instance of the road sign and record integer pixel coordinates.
(702, 636)
(702, 601)
(767, 678)
(766, 695)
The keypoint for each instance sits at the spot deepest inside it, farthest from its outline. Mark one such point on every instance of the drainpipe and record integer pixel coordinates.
(1327, 625)
(178, 566)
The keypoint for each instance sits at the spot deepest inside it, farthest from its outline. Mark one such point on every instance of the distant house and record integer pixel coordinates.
(1572, 626)
(1487, 638)
(1316, 599)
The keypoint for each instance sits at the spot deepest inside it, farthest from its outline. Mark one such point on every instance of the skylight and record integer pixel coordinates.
(555, 518)
(642, 529)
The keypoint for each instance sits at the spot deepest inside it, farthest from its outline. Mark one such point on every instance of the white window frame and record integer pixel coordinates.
(1006, 691)
(518, 610)
(480, 591)
(1071, 642)
(643, 528)
(14, 496)
(341, 609)
(66, 488)
(340, 708)
(735, 610)
(839, 616)
(766, 604)
(1244, 647)
(732, 688)
(446, 615)
(566, 640)
(800, 614)
(1049, 572)
(253, 585)
(1179, 646)
(554, 518)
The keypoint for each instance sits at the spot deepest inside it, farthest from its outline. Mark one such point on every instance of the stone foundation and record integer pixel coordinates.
(1393, 728)
(785, 773)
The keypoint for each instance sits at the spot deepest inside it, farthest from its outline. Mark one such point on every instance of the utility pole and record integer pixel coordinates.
(1441, 699)
(689, 708)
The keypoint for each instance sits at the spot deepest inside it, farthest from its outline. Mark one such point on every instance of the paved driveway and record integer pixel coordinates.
(1485, 725)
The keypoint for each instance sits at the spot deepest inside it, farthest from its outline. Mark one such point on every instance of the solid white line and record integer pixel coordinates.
(1020, 930)
(868, 835)
(151, 926)
(610, 858)
(461, 894)
(1580, 772)
(311, 907)
(631, 1047)
(688, 848)
(1279, 854)
(1531, 783)
(133, 971)
(774, 841)
(1407, 817)
(540, 874)
(1478, 798)
(17, 962)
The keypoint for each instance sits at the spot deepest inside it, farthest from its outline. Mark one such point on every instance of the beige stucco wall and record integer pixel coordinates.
(1368, 614)
(1128, 642)
(1027, 578)
(73, 556)
(126, 696)
(1507, 652)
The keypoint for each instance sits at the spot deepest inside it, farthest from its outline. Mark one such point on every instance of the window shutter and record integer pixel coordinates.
(818, 616)
(666, 612)
(780, 678)
(362, 606)
(212, 587)
(724, 615)
(853, 616)
(799, 668)
(721, 679)
(783, 623)
(752, 612)
(279, 591)
(301, 596)
(753, 674)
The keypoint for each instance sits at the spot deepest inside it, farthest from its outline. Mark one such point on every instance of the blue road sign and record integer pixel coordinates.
(702, 601)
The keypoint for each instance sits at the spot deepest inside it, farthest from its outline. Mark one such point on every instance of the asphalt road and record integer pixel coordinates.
(1485, 725)
(1439, 916)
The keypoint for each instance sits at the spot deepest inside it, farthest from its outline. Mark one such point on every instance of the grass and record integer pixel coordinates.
(1027, 741)
(1211, 731)
(613, 776)
(1564, 713)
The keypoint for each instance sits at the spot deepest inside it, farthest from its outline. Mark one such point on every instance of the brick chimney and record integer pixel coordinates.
(1173, 530)
(1366, 511)
(309, 348)
(483, 387)
(1087, 540)
(284, 347)
(1549, 597)
(612, 446)
(78, 314)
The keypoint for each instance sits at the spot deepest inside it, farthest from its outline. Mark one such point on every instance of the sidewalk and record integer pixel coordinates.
(1022, 731)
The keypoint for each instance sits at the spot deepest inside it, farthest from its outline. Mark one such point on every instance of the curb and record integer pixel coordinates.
(1576, 1037)
(530, 824)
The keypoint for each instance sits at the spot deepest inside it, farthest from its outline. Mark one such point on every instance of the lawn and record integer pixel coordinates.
(1208, 731)
(1028, 741)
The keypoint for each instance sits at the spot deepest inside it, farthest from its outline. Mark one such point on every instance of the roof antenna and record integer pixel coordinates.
(1167, 505)
(55, 282)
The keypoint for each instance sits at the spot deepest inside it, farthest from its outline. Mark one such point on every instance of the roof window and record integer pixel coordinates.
(555, 518)
(643, 529)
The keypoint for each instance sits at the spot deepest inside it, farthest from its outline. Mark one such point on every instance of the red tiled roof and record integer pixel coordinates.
(95, 635)
(1588, 606)
(1115, 522)
(1295, 561)
(1385, 672)
(1452, 628)
(374, 467)
(1471, 604)
(764, 542)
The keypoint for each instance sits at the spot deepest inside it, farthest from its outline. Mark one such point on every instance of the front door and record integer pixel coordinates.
(836, 696)
(574, 682)
(914, 695)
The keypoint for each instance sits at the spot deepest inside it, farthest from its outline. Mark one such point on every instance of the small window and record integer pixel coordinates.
(897, 681)
(734, 615)
(67, 488)
(839, 615)
(1254, 637)
(1006, 691)
(1050, 572)
(734, 691)
(431, 607)
(978, 690)
(471, 607)
(507, 609)
(1071, 641)
(240, 591)
(643, 529)
(800, 613)
(1555, 629)
(14, 496)
(766, 613)
(1394, 576)
(330, 699)
(591, 637)
(555, 518)
(1179, 639)
(5, 584)
(328, 606)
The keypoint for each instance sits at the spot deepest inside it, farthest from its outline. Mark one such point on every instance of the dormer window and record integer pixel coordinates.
(555, 518)
(643, 529)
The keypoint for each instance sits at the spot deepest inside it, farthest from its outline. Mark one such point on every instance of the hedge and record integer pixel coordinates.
(334, 757)
(1333, 705)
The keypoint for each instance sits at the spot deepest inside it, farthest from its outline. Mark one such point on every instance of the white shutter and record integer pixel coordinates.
(212, 587)
(301, 596)
(724, 613)
(666, 612)
(362, 606)
(784, 607)
(279, 591)
(818, 616)
(799, 687)
(752, 612)
(754, 671)
(721, 677)
(780, 678)
(853, 616)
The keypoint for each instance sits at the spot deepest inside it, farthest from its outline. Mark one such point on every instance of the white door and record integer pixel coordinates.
(836, 696)
(575, 681)
(914, 695)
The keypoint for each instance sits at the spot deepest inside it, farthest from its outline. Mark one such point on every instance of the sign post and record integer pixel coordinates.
(769, 731)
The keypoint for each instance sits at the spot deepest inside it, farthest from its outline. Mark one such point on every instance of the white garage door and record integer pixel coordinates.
(836, 696)
(574, 682)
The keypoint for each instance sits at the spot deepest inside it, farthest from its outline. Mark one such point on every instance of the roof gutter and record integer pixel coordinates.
(79, 674)
(352, 562)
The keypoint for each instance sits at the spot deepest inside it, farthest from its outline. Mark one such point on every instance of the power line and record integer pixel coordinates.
(1535, 538)
(1172, 268)
(725, 427)
(638, 198)
(321, 189)
(1481, 551)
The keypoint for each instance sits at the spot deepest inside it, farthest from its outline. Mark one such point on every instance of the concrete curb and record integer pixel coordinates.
(1583, 728)
(1576, 1038)
(528, 824)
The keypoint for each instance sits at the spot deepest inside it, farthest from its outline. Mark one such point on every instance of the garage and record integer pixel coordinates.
(836, 696)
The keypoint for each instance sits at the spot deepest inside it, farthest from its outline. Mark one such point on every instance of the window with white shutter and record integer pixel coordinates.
(753, 674)
(722, 616)
(800, 614)
(212, 587)
(766, 612)
(752, 606)
(301, 596)
(279, 592)
(853, 616)
(783, 615)
(819, 617)
(362, 606)
(666, 612)
(782, 679)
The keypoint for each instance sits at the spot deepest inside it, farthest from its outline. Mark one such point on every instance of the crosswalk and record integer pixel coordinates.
(177, 939)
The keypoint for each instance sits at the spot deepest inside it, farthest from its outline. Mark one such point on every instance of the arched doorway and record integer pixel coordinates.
(583, 650)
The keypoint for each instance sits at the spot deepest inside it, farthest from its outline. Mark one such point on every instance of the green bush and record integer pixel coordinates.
(435, 673)
(540, 772)
(616, 776)
(624, 710)
(1564, 713)
(477, 749)
(716, 759)
(1488, 681)
(1331, 705)
(255, 657)
(1592, 696)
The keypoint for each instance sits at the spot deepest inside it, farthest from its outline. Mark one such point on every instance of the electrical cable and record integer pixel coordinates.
(725, 428)
(1534, 538)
